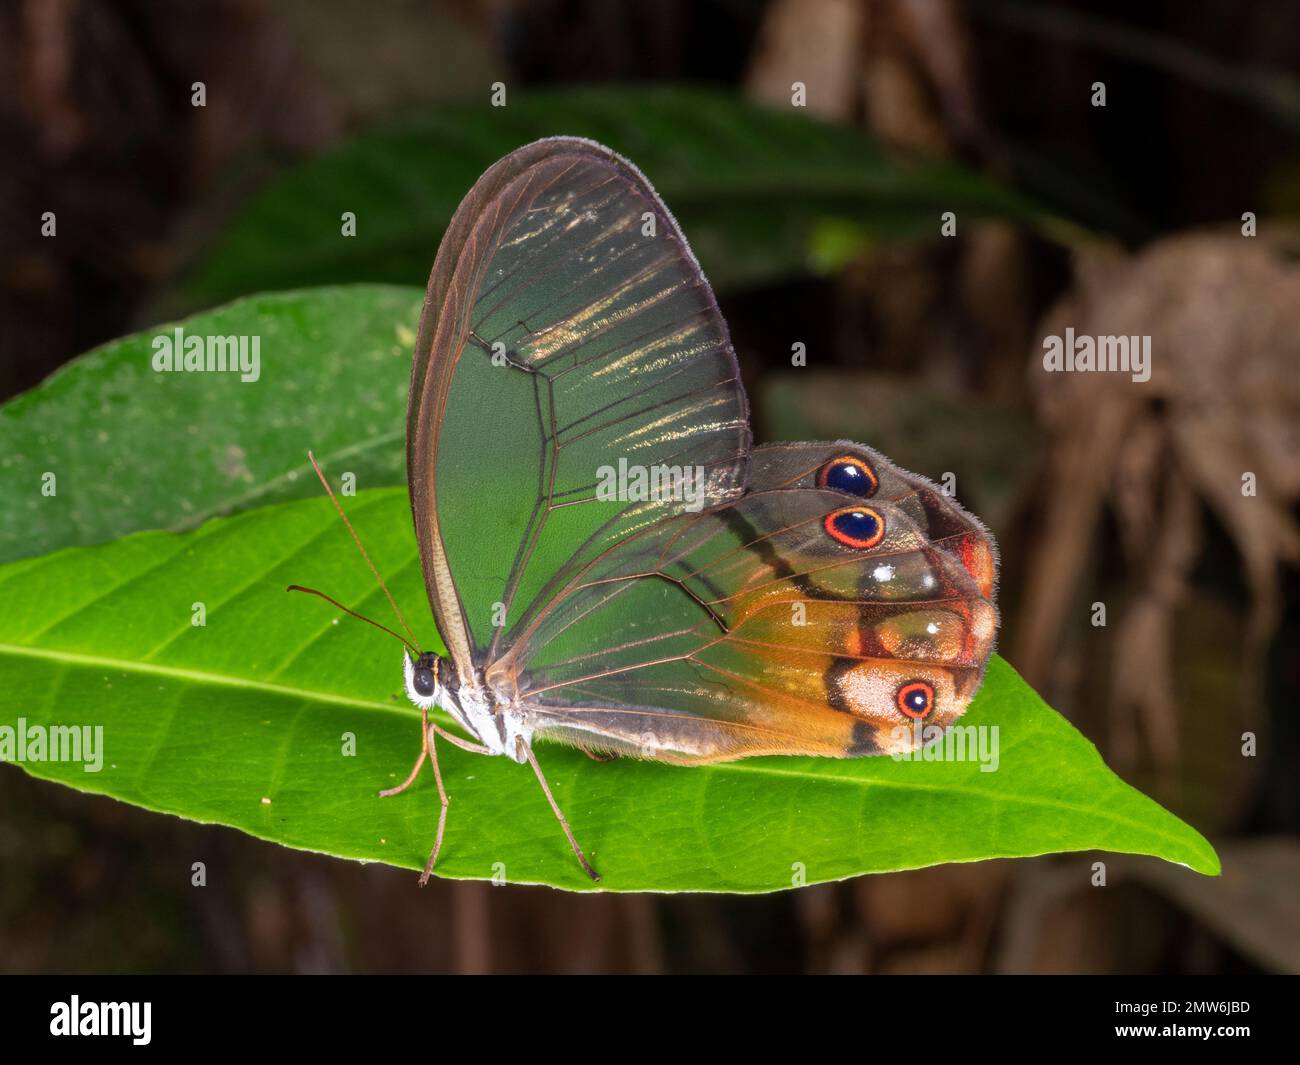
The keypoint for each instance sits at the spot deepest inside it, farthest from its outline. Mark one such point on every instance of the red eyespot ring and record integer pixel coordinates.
(850, 474)
(860, 527)
(916, 699)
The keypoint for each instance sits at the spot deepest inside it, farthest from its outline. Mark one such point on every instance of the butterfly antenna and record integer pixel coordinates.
(360, 617)
(361, 548)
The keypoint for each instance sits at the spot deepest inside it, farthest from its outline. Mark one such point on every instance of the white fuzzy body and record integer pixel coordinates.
(499, 729)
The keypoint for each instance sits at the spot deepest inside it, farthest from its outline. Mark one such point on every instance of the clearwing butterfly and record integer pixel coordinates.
(610, 562)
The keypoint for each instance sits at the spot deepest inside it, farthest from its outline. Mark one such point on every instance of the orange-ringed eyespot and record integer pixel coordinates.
(850, 474)
(859, 527)
(916, 699)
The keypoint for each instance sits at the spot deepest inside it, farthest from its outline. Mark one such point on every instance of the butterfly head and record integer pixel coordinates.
(432, 680)
(423, 676)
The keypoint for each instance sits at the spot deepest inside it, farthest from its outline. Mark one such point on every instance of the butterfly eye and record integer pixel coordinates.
(850, 474)
(859, 527)
(916, 699)
(422, 681)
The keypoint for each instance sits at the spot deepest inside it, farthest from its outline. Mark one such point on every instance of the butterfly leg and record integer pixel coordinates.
(415, 771)
(431, 733)
(429, 749)
(451, 737)
(442, 813)
(546, 790)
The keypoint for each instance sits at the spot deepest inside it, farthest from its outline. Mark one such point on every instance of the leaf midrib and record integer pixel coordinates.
(200, 677)
(195, 676)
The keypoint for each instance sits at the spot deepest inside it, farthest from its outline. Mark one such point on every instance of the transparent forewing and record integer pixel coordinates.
(574, 383)
(751, 629)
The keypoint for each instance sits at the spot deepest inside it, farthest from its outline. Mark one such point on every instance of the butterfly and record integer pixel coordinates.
(611, 563)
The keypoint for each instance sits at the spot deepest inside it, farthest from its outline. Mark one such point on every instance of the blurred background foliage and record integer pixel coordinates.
(818, 226)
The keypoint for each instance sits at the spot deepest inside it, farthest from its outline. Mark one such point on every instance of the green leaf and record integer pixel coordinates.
(134, 449)
(756, 190)
(244, 721)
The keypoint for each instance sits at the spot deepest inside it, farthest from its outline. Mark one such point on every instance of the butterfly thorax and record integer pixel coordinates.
(432, 681)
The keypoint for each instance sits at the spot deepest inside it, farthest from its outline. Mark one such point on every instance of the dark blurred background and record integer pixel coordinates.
(928, 349)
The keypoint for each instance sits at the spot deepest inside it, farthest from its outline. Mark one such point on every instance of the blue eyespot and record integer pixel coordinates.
(859, 527)
(850, 474)
(916, 698)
